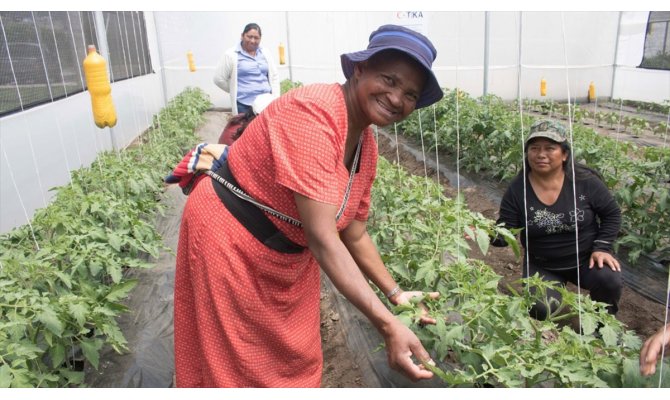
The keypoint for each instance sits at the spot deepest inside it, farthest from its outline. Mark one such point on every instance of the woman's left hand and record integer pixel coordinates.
(406, 297)
(600, 258)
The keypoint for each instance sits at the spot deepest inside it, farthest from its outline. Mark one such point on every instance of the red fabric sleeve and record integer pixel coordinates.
(307, 145)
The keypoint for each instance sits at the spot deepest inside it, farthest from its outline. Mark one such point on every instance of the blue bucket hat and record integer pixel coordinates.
(409, 42)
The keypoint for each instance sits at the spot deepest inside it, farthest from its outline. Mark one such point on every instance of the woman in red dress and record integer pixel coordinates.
(247, 303)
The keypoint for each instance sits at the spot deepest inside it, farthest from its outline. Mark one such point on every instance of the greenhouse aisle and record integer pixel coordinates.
(148, 326)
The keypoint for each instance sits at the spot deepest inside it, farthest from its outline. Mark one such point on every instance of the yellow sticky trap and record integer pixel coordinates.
(282, 55)
(97, 80)
(191, 62)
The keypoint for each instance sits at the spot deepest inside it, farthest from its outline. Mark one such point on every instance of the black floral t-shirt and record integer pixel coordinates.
(551, 228)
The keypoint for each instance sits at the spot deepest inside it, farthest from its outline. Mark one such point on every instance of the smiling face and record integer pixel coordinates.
(250, 41)
(387, 87)
(545, 156)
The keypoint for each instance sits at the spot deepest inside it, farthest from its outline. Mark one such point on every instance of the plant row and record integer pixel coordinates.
(634, 125)
(483, 338)
(63, 276)
(487, 134)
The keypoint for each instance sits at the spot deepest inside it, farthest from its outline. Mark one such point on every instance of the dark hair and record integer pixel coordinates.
(251, 26)
(582, 171)
(244, 120)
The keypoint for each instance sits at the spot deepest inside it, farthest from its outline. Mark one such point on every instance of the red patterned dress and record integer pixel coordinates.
(247, 315)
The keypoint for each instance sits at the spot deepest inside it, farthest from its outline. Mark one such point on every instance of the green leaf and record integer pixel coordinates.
(454, 334)
(57, 354)
(91, 350)
(589, 324)
(609, 335)
(115, 241)
(483, 240)
(121, 290)
(5, 376)
(95, 268)
(65, 279)
(21, 378)
(50, 319)
(631, 340)
(79, 311)
(73, 377)
(115, 272)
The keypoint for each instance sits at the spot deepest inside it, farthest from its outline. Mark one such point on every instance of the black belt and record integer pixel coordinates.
(251, 217)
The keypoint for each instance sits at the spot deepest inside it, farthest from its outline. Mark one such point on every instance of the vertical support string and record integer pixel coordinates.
(523, 151)
(58, 125)
(397, 150)
(144, 92)
(18, 193)
(665, 136)
(30, 139)
(423, 153)
(572, 160)
(119, 156)
(100, 158)
(459, 203)
(74, 47)
(665, 330)
(437, 156)
(153, 103)
(132, 73)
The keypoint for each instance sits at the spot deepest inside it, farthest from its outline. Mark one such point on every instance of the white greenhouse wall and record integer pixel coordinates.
(569, 50)
(42, 144)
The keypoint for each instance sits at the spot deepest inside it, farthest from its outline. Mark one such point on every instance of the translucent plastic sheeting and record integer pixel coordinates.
(148, 326)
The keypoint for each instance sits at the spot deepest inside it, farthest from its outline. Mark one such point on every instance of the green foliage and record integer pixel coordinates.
(61, 290)
(482, 337)
(488, 136)
(287, 85)
(412, 214)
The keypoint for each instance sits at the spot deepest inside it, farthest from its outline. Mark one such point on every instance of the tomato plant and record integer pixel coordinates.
(61, 289)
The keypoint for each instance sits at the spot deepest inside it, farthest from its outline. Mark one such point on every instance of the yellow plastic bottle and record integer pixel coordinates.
(191, 62)
(543, 87)
(282, 56)
(97, 80)
(592, 92)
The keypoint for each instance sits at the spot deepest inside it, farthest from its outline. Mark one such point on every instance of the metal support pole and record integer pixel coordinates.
(288, 45)
(616, 54)
(486, 52)
(518, 78)
(160, 61)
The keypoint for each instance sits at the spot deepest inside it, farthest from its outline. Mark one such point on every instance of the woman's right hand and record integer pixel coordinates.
(651, 350)
(401, 344)
(406, 297)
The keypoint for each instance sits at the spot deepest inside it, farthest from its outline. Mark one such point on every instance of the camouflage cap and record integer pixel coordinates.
(549, 129)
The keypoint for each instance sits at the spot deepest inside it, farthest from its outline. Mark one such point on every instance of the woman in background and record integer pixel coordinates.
(247, 71)
(541, 201)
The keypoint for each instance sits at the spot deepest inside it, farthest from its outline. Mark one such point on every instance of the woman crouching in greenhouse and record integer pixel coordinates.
(247, 285)
(554, 204)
